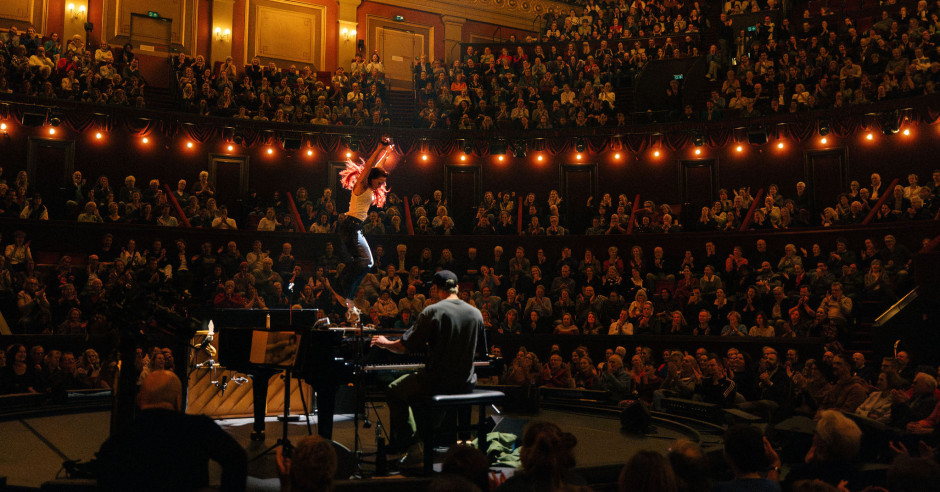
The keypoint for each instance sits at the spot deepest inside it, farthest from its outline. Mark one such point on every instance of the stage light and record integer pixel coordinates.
(52, 131)
(309, 153)
(424, 157)
(98, 135)
(348, 155)
(467, 147)
(869, 137)
(698, 151)
(780, 145)
(230, 148)
(578, 157)
(189, 145)
(145, 140)
(617, 156)
(539, 158)
(655, 153)
(824, 140)
(270, 151)
(463, 157)
(823, 128)
(739, 148)
(500, 158)
(907, 132)
(698, 139)
(580, 144)
(3, 127)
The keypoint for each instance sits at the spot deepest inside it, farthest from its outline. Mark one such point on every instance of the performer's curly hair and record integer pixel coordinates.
(350, 176)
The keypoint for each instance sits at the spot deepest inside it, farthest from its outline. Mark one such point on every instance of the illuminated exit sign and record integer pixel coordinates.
(151, 13)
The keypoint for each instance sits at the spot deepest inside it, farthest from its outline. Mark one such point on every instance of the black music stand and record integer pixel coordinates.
(278, 350)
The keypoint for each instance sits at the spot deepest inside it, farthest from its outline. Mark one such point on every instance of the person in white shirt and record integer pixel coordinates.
(366, 181)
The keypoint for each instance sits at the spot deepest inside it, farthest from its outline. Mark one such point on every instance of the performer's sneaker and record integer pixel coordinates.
(413, 458)
(353, 315)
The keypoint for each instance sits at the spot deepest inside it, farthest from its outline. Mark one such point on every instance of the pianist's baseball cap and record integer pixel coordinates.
(444, 278)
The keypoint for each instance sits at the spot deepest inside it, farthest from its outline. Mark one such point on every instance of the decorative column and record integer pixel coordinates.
(223, 15)
(453, 36)
(347, 32)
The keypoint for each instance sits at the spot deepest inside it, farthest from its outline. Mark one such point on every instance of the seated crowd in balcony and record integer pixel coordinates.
(45, 69)
(786, 68)
(288, 95)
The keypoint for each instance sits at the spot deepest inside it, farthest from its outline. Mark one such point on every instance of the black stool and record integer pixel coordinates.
(480, 398)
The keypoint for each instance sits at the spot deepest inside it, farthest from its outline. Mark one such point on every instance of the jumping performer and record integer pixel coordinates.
(366, 181)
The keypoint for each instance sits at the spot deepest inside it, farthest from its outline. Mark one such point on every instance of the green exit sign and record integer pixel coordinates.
(151, 13)
(399, 18)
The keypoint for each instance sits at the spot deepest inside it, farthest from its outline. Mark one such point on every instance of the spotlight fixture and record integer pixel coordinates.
(823, 128)
(698, 139)
(352, 143)
(519, 149)
(498, 147)
(890, 125)
(906, 132)
(55, 121)
(757, 136)
(467, 147)
(580, 144)
(238, 139)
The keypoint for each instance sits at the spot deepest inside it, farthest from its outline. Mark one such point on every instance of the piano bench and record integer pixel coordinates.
(463, 403)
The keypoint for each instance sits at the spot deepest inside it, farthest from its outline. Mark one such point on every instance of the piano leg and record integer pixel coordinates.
(259, 400)
(326, 406)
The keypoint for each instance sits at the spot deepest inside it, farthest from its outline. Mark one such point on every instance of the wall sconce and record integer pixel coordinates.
(348, 34)
(76, 12)
(222, 35)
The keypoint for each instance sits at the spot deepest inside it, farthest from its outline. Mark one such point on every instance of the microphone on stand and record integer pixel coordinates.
(222, 385)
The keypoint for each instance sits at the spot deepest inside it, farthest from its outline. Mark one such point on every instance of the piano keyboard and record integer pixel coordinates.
(409, 367)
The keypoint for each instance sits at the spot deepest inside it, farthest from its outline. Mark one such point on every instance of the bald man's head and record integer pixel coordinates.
(160, 389)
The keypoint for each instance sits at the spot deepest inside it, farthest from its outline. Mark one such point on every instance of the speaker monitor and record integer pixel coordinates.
(292, 144)
(757, 136)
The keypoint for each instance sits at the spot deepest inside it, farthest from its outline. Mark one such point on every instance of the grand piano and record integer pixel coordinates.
(326, 359)
(319, 361)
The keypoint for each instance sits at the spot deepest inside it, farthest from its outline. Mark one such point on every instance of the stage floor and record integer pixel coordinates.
(32, 450)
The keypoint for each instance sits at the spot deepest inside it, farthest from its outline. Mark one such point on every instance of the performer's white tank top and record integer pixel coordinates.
(359, 205)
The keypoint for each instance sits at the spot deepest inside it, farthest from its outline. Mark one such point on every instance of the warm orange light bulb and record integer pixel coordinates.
(309, 152)
(869, 136)
(270, 151)
(656, 154)
(52, 131)
(698, 151)
(230, 148)
(780, 145)
(739, 148)
(145, 140)
(98, 135)
(189, 145)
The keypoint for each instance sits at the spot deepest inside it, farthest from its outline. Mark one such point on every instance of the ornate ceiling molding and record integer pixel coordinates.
(518, 14)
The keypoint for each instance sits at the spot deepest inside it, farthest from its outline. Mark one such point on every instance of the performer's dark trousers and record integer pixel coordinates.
(356, 255)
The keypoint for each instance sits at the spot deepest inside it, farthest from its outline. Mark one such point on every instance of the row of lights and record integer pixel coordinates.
(463, 157)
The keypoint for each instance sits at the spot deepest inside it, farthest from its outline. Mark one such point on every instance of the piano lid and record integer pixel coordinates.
(258, 318)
